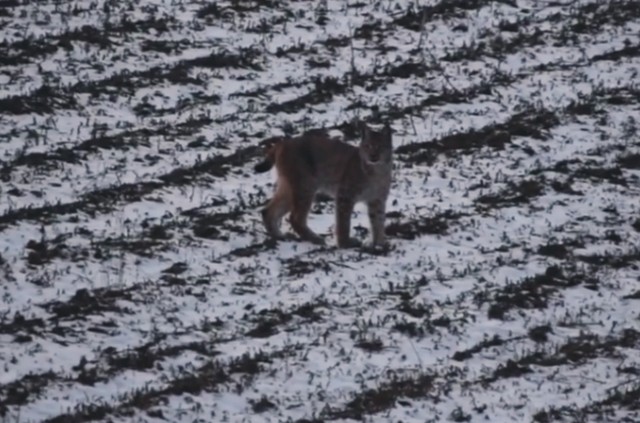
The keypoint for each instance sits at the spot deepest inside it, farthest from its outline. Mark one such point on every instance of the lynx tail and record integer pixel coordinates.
(269, 160)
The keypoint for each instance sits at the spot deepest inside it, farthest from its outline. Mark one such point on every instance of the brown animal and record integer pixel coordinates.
(315, 163)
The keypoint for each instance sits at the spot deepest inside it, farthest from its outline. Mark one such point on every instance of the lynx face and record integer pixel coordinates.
(375, 147)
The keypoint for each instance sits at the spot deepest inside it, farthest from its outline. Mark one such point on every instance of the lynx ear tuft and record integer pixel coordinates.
(386, 131)
(363, 129)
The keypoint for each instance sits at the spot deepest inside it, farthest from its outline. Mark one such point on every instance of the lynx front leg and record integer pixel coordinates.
(376, 209)
(344, 209)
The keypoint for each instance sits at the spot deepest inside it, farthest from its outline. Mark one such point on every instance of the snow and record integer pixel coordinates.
(315, 364)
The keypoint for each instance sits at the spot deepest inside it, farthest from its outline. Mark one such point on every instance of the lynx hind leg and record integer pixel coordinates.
(302, 202)
(273, 213)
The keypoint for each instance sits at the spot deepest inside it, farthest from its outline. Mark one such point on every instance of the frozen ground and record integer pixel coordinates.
(137, 283)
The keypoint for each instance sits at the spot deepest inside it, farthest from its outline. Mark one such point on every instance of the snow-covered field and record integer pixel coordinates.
(136, 280)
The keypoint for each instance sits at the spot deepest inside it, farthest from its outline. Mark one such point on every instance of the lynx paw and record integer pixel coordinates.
(318, 240)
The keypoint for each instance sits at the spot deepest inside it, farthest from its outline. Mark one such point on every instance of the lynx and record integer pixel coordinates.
(315, 163)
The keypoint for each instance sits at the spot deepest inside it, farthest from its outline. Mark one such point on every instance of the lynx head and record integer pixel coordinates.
(375, 146)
